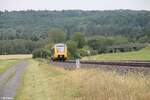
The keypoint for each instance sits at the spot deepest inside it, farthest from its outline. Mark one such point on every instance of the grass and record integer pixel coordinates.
(143, 54)
(15, 57)
(35, 82)
(6, 61)
(46, 82)
(5, 64)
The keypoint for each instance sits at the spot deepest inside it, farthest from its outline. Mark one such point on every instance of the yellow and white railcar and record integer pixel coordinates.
(59, 52)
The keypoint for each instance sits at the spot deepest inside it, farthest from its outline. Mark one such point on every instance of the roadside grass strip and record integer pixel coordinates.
(35, 82)
(46, 82)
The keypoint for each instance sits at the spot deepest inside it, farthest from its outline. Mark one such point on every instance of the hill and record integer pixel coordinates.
(36, 24)
(21, 32)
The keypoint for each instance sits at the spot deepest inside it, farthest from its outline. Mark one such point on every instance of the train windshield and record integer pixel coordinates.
(60, 49)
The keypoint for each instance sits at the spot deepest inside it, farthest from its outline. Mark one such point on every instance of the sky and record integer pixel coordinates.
(74, 4)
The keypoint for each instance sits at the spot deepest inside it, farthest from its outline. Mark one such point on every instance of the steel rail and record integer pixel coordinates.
(132, 63)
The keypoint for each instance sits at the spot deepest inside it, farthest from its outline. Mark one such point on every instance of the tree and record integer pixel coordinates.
(120, 40)
(72, 49)
(56, 35)
(79, 38)
(24, 31)
(41, 53)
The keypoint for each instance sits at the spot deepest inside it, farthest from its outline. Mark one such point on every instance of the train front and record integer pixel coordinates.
(60, 52)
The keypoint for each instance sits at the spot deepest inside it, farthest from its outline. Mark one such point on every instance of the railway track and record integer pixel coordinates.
(119, 66)
(127, 63)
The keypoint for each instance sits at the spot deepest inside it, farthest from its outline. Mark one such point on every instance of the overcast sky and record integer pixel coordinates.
(74, 4)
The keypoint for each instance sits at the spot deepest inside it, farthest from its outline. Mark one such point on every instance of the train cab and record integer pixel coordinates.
(59, 52)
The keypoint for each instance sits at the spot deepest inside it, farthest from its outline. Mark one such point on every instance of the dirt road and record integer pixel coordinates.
(9, 81)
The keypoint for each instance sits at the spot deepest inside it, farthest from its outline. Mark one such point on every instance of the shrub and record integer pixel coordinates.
(41, 53)
(72, 49)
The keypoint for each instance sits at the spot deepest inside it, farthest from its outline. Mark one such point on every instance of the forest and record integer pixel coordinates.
(22, 32)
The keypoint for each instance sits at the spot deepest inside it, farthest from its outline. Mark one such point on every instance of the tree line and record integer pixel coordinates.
(79, 45)
(94, 31)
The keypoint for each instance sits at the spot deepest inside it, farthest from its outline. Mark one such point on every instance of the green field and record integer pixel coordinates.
(5, 64)
(42, 81)
(143, 54)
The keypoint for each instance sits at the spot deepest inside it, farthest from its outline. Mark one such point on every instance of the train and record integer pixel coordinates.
(59, 52)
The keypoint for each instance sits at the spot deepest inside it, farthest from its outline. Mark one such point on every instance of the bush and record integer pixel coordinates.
(85, 51)
(72, 49)
(93, 52)
(41, 53)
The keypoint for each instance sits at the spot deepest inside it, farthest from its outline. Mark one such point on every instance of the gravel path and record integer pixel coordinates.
(9, 80)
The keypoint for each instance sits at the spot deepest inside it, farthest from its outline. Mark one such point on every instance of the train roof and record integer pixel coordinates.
(59, 44)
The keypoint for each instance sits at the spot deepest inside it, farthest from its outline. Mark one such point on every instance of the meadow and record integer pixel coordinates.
(15, 57)
(7, 61)
(143, 54)
(5, 64)
(42, 81)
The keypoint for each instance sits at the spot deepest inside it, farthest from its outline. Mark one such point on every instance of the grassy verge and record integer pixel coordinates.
(143, 54)
(45, 82)
(5, 64)
(35, 82)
